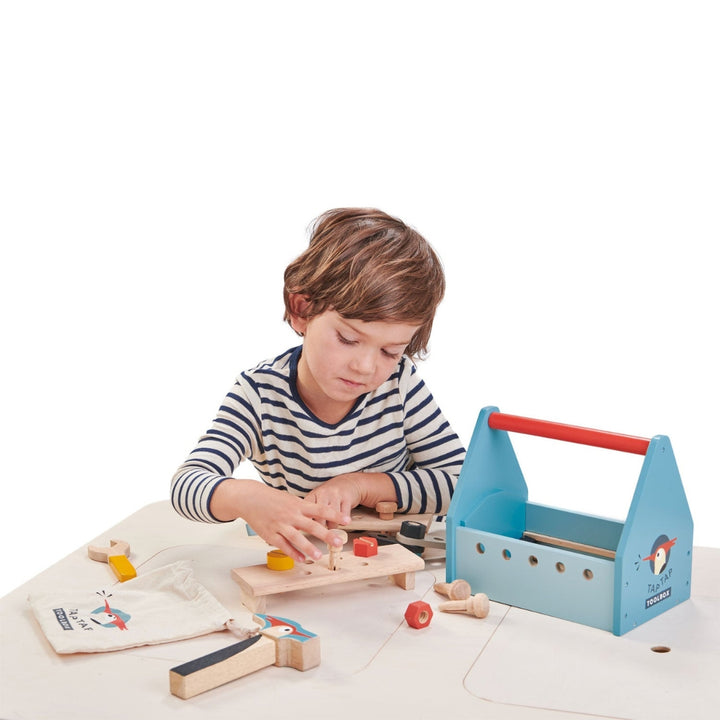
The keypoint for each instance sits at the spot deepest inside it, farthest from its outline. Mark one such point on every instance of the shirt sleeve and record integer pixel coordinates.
(436, 453)
(217, 454)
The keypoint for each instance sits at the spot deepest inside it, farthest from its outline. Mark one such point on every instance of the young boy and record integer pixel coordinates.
(343, 419)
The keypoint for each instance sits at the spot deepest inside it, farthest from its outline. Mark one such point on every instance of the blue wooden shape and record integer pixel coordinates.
(491, 492)
(653, 565)
(490, 512)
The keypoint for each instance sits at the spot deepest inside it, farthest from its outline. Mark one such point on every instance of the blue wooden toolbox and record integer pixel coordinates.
(596, 571)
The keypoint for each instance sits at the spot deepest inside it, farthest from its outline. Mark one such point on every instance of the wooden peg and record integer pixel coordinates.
(277, 560)
(280, 641)
(386, 509)
(477, 605)
(455, 590)
(333, 551)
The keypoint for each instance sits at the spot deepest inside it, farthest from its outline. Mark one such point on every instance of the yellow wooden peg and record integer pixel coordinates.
(277, 560)
(122, 567)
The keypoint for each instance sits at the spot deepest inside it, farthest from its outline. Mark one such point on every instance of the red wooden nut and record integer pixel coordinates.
(418, 614)
(365, 546)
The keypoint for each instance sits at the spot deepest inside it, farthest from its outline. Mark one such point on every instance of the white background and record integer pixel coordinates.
(161, 163)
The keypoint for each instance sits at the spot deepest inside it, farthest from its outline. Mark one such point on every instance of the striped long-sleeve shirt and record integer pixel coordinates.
(397, 429)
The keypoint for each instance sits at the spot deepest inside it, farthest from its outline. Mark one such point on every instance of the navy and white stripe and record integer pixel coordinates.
(397, 429)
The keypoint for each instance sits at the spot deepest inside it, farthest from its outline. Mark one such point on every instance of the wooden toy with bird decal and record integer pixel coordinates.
(278, 641)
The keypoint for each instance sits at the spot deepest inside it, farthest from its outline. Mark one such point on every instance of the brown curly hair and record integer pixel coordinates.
(367, 265)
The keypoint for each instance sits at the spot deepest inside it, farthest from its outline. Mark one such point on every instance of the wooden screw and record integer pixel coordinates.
(386, 509)
(334, 552)
(456, 590)
(477, 605)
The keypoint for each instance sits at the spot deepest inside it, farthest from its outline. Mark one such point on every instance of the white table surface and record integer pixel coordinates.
(512, 664)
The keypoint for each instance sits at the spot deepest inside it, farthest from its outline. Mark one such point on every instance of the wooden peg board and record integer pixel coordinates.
(365, 519)
(257, 582)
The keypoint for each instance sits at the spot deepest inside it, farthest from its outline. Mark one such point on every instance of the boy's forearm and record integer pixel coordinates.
(231, 495)
(226, 502)
(425, 490)
(375, 488)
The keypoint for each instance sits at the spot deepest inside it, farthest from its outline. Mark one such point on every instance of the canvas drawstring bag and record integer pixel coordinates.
(164, 605)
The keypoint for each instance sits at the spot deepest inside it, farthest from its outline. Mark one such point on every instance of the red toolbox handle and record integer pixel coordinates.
(568, 433)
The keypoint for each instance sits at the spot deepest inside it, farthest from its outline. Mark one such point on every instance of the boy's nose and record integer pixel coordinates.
(363, 362)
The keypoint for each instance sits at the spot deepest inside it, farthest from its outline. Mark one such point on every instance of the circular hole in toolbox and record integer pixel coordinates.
(660, 649)
(533, 560)
(506, 554)
(588, 574)
(560, 567)
(480, 548)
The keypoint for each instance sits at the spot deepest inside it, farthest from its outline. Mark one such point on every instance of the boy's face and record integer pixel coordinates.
(343, 359)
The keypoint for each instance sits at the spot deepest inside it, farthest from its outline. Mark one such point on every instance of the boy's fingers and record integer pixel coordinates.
(293, 540)
(321, 532)
(299, 550)
(328, 513)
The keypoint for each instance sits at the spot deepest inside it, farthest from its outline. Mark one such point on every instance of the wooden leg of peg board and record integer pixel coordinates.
(404, 580)
(254, 603)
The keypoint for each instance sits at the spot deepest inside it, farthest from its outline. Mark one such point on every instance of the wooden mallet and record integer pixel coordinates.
(280, 642)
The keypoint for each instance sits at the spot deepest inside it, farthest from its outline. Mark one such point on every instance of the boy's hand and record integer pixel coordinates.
(342, 493)
(279, 518)
(345, 492)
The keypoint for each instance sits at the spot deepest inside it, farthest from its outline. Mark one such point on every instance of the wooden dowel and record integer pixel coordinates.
(568, 544)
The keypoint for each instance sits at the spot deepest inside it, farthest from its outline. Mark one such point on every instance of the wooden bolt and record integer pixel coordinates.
(477, 605)
(386, 510)
(456, 590)
(334, 552)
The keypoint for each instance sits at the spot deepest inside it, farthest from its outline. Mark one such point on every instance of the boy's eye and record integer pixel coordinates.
(386, 353)
(394, 356)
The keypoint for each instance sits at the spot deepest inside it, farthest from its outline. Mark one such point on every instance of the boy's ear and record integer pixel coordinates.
(298, 305)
